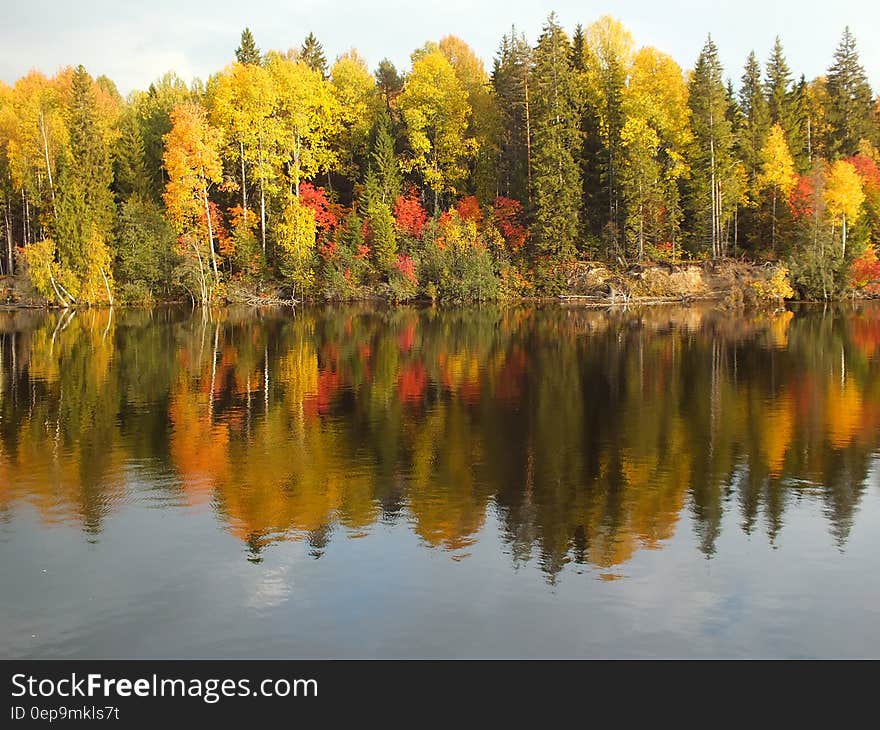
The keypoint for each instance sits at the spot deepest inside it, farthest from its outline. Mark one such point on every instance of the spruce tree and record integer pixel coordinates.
(713, 163)
(850, 100)
(86, 209)
(129, 160)
(578, 48)
(384, 162)
(782, 105)
(609, 50)
(557, 140)
(778, 86)
(312, 53)
(751, 134)
(510, 80)
(247, 51)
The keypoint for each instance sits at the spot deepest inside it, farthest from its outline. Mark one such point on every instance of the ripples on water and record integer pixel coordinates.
(494, 481)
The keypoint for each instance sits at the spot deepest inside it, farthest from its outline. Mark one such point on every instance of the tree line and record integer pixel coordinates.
(447, 180)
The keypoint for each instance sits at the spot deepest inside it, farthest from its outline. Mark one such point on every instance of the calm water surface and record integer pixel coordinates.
(523, 481)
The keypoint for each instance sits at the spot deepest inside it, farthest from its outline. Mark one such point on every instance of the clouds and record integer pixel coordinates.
(135, 42)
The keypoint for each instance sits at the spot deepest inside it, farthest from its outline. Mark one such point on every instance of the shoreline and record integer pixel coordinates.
(732, 283)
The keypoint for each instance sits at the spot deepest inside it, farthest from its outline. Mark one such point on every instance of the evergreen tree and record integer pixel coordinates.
(778, 86)
(382, 238)
(129, 159)
(578, 48)
(247, 51)
(387, 179)
(751, 135)
(609, 51)
(510, 80)
(389, 81)
(86, 178)
(782, 104)
(557, 140)
(803, 154)
(713, 164)
(850, 100)
(312, 53)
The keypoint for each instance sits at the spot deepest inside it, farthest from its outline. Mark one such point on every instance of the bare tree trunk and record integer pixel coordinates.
(203, 285)
(712, 176)
(243, 182)
(25, 219)
(528, 141)
(10, 269)
(210, 234)
(48, 165)
(107, 286)
(262, 202)
(773, 233)
(263, 218)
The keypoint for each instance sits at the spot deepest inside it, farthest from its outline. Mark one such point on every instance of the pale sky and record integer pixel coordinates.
(134, 42)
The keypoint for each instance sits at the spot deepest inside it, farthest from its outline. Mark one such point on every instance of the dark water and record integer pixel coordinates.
(414, 482)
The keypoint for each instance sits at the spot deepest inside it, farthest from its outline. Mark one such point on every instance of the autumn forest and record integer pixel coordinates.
(290, 176)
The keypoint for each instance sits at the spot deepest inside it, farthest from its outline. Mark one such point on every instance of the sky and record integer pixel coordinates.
(136, 42)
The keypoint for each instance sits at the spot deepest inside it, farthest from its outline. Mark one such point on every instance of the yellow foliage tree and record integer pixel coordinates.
(436, 112)
(243, 100)
(296, 235)
(307, 118)
(192, 160)
(844, 195)
(359, 103)
(777, 171)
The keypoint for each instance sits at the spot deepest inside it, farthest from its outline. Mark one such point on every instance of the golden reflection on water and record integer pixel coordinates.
(589, 433)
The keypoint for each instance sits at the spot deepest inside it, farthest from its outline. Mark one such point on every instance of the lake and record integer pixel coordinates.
(521, 481)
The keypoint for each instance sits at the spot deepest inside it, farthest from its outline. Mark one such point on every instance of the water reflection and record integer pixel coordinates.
(587, 434)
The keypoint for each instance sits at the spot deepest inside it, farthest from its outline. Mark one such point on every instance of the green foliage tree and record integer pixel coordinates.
(607, 65)
(86, 207)
(713, 164)
(312, 54)
(146, 251)
(247, 51)
(510, 80)
(850, 100)
(557, 139)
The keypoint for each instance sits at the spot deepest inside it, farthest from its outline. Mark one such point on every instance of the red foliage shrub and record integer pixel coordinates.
(406, 266)
(865, 271)
(469, 209)
(409, 215)
(506, 214)
(327, 214)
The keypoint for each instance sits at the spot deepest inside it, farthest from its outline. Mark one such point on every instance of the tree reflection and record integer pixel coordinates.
(588, 433)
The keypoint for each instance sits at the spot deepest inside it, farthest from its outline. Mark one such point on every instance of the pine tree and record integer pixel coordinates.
(850, 99)
(557, 140)
(713, 164)
(247, 51)
(312, 54)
